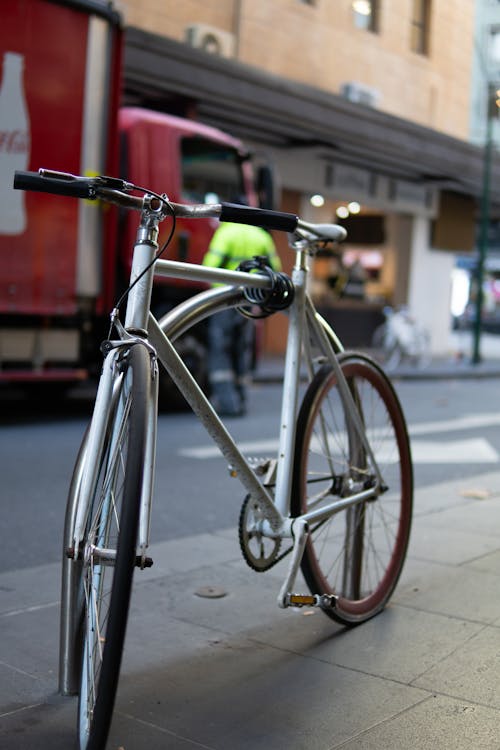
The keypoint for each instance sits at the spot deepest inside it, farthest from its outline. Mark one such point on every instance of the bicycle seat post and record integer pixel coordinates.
(290, 377)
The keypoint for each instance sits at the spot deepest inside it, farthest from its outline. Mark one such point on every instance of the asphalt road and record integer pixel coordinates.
(454, 426)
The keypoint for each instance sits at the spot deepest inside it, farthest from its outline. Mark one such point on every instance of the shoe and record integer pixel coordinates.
(227, 402)
(229, 412)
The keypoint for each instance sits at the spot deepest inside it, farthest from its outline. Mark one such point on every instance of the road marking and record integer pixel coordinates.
(248, 447)
(468, 422)
(24, 610)
(473, 450)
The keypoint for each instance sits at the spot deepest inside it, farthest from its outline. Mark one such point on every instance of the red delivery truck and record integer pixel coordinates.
(64, 262)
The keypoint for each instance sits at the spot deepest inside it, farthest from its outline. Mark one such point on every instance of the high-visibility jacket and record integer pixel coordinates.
(234, 243)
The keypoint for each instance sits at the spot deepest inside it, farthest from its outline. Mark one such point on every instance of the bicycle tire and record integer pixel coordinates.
(357, 554)
(113, 523)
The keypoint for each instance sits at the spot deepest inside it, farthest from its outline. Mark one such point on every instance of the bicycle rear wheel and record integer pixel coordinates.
(110, 547)
(358, 553)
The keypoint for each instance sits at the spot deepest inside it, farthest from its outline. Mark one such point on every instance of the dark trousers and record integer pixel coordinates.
(229, 356)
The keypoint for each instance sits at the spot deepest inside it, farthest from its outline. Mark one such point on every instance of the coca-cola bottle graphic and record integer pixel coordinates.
(14, 143)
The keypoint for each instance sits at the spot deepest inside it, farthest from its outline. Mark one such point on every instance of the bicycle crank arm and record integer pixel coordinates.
(286, 598)
(300, 530)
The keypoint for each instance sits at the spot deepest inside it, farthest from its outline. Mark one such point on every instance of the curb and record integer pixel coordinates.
(271, 371)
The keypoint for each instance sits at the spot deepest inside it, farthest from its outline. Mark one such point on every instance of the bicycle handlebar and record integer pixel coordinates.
(115, 190)
(77, 188)
(260, 217)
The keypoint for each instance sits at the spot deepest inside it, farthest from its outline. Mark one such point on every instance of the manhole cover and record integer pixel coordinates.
(211, 592)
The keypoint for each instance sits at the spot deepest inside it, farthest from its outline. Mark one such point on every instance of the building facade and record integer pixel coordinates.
(410, 58)
(485, 69)
(356, 103)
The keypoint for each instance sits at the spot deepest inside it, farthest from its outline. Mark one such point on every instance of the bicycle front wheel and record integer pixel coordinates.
(356, 554)
(109, 552)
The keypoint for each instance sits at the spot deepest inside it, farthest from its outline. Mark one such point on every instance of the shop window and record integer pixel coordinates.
(419, 28)
(364, 230)
(365, 14)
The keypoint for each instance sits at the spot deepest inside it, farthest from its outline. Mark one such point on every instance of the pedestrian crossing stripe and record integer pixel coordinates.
(467, 451)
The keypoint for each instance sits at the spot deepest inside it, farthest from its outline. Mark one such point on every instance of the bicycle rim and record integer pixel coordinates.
(356, 554)
(112, 526)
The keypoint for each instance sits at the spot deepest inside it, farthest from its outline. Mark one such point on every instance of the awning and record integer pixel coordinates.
(255, 105)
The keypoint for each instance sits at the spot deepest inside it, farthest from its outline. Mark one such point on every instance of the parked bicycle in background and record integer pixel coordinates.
(401, 340)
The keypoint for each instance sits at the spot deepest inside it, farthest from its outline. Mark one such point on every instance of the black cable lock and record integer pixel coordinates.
(278, 297)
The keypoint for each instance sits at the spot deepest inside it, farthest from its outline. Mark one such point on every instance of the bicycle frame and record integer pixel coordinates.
(141, 328)
(181, 318)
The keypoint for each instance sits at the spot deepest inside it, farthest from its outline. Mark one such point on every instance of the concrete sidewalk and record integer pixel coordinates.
(455, 364)
(237, 673)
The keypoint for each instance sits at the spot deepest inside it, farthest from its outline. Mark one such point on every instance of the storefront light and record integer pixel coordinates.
(364, 7)
(354, 207)
(342, 212)
(317, 200)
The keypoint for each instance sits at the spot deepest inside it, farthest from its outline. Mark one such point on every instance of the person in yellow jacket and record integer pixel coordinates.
(229, 332)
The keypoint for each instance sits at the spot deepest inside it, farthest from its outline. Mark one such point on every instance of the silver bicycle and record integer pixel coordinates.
(337, 497)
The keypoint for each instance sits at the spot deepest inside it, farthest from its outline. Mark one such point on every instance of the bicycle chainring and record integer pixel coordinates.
(259, 551)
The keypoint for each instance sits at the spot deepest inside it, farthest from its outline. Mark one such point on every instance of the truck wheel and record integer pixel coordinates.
(194, 354)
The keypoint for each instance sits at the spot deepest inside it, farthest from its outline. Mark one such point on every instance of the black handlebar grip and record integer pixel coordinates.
(259, 217)
(71, 188)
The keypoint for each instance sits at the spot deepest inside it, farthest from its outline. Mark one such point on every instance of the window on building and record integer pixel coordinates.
(420, 21)
(365, 14)
(494, 44)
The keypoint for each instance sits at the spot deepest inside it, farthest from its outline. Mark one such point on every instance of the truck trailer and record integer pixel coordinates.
(64, 262)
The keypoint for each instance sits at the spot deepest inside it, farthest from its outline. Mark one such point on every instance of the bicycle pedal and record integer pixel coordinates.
(325, 601)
